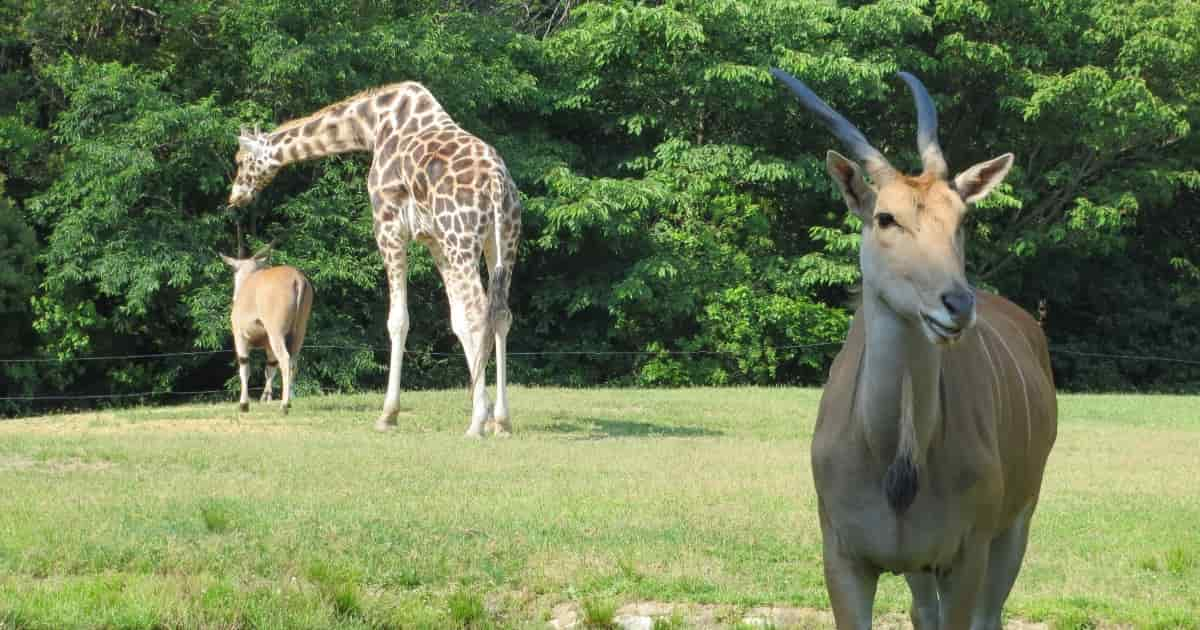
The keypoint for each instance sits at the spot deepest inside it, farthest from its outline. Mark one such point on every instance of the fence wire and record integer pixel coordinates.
(130, 357)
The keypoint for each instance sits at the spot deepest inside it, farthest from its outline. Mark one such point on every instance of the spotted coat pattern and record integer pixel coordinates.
(430, 181)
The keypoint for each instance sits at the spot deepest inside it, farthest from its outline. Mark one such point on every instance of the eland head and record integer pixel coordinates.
(912, 250)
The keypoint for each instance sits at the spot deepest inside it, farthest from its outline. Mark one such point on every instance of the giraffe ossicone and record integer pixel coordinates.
(430, 181)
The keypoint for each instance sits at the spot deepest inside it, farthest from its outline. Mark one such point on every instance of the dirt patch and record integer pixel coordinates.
(70, 464)
(95, 425)
(643, 615)
(16, 462)
(74, 464)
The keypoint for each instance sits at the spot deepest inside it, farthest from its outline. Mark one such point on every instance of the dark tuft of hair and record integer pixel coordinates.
(901, 484)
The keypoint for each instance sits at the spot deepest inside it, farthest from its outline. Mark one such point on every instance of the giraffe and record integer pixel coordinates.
(432, 182)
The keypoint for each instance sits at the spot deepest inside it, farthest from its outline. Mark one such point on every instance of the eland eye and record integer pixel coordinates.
(885, 219)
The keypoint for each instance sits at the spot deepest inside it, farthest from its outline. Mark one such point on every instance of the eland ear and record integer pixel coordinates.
(265, 252)
(976, 182)
(858, 194)
(228, 261)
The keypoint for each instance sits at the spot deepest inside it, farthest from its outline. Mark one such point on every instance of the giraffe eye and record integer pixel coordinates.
(885, 219)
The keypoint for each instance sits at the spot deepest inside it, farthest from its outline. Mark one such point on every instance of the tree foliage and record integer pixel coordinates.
(676, 200)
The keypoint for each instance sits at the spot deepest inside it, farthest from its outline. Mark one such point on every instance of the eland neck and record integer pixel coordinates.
(239, 280)
(895, 345)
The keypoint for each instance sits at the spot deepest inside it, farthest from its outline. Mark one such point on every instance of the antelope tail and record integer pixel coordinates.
(498, 283)
(901, 482)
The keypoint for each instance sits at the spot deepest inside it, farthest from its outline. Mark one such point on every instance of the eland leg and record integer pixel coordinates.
(243, 359)
(294, 341)
(279, 347)
(851, 583)
(851, 587)
(1004, 563)
(959, 589)
(925, 613)
(272, 367)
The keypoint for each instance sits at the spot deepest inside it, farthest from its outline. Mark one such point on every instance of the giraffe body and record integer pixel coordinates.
(430, 181)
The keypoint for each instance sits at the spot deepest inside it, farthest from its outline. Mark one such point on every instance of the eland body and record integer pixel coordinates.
(940, 411)
(270, 310)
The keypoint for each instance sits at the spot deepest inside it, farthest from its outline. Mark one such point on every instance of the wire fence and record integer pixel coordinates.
(161, 355)
(124, 357)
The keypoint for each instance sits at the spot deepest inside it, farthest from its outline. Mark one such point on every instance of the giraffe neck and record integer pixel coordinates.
(342, 128)
(356, 123)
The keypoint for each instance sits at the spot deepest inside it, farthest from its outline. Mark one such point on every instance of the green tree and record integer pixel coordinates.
(18, 280)
(678, 216)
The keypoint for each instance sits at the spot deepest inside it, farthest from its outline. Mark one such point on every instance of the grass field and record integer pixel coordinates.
(196, 516)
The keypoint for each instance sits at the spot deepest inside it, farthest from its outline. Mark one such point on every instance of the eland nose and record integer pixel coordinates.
(960, 304)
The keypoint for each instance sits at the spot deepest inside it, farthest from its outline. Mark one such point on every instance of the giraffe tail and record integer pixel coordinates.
(497, 291)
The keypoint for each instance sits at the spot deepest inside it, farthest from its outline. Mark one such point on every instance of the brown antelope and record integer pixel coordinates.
(270, 311)
(940, 410)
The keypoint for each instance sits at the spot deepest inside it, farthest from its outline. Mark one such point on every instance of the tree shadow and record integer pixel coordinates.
(602, 428)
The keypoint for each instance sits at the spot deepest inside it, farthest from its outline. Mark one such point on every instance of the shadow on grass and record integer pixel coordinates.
(601, 428)
(342, 405)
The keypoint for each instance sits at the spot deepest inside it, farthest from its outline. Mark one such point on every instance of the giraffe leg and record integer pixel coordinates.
(500, 423)
(467, 312)
(467, 322)
(396, 260)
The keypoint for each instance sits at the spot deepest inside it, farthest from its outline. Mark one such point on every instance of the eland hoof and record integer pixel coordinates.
(244, 406)
(500, 427)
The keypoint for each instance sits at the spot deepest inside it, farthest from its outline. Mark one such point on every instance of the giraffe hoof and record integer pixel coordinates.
(284, 409)
(383, 425)
(244, 406)
(474, 433)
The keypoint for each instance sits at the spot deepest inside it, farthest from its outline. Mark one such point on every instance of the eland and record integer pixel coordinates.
(270, 310)
(940, 410)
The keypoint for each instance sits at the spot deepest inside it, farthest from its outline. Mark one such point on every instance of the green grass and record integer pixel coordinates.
(467, 610)
(196, 516)
(599, 612)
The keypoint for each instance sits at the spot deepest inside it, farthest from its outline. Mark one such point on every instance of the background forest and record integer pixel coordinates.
(675, 196)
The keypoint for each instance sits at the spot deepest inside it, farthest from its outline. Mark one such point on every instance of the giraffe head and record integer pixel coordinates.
(258, 161)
